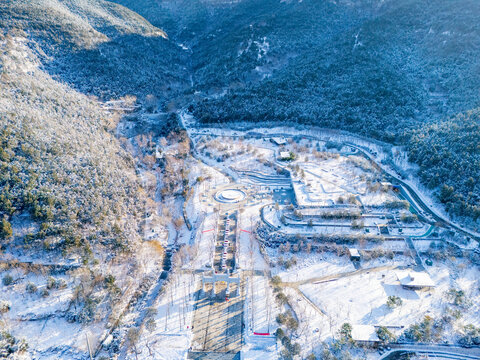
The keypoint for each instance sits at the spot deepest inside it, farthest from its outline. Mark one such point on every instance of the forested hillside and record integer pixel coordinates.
(360, 70)
(62, 168)
(99, 47)
(69, 192)
(448, 152)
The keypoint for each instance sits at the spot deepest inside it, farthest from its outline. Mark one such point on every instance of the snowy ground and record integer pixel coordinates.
(172, 334)
(313, 265)
(361, 299)
(38, 318)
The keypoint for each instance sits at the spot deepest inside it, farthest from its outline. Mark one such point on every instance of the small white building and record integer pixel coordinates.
(284, 155)
(354, 254)
(364, 334)
(414, 280)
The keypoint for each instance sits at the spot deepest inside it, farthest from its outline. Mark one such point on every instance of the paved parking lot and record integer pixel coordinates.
(217, 324)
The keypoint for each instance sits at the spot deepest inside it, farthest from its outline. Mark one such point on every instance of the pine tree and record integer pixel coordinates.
(5, 229)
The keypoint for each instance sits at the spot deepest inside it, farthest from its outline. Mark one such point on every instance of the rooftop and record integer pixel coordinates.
(284, 154)
(279, 140)
(354, 252)
(415, 279)
(364, 333)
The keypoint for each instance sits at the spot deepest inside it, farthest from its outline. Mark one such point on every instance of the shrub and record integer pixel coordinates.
(425, 331)
(408, 218)
(151, 325)
(346, 332)
(471, 335)
(87, 313)
(31, 288)
(5, 229)
(456, 297)
(385, 335)
(4, 307)
(397, 204)
(10, 345)
(7, 280)
(276, 280)
(394, 301)
(53, 283)
(280, 334)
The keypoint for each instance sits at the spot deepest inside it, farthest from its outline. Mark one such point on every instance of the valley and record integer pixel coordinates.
(292, 239)
(247, 179)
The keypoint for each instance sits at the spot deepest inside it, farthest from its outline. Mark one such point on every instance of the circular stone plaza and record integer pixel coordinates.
(230, 196)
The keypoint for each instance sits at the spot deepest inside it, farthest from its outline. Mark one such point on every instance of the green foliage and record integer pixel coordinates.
(7, 280)
(280, 334)
(59, 162)
(408, 218)
(276, 280)
(385, 335)
(449, 157)
(109, 280)
(427, 330)
(10, 346)
(394, 301)
(31, 288)
(470, 335)
(282, 298)
(88, 311)
(53, 283)
(457, 297)
(376, 72)
(345, 333)
(397, 204)
(288, 320)
(110, 284)
(5, 229)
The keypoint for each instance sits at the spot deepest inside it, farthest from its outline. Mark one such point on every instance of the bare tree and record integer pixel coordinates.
(133, 335)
